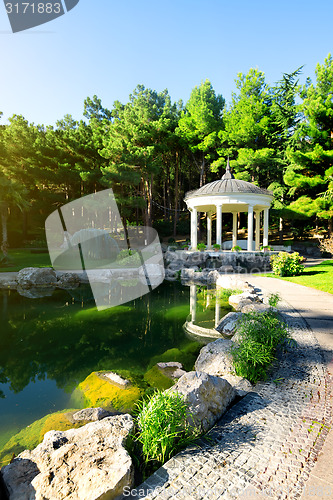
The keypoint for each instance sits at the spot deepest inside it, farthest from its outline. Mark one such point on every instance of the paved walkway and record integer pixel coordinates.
(275, 442)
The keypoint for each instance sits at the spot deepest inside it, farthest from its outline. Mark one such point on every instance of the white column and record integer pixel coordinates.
(209, 230)
(234, 229)
(194, 229)
(266, 219)
(193, 302)
(219, 224)
(257, 214)
(250, 229)
(217, 311)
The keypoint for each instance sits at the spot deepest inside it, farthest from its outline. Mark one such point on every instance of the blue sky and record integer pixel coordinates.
(107, 47)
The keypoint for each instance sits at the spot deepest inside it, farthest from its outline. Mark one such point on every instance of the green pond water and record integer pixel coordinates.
(49, 345)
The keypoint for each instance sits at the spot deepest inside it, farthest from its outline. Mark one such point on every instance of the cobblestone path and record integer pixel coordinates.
(267, 443)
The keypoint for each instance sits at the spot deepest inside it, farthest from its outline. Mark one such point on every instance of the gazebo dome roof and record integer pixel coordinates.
(227, 185)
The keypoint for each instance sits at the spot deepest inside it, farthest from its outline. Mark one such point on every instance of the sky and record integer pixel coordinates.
(108, 47)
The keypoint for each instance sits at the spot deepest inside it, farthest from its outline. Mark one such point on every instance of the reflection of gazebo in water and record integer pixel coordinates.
(230, 195)
(202, 321)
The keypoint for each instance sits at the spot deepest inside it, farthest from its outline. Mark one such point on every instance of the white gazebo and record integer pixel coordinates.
(230, 195)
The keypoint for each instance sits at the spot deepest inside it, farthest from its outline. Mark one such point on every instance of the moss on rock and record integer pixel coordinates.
(155, 378)
(98, 391)
(184, 356)
(29, 437)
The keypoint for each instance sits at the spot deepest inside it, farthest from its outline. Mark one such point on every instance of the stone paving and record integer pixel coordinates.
(267, 443)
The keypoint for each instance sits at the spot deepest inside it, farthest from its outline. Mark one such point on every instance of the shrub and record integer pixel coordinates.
(162, 426)
(326, 245)
(216, 246)
(274, 299)
(201, 246)
(260, 334)
(285, 264)
(129, 258)
(266, 247)
(236, 248)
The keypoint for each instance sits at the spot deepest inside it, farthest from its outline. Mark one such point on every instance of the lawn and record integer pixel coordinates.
(319, 277)
(24, 258)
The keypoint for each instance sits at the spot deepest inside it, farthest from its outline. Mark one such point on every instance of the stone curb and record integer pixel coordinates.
(266, 445)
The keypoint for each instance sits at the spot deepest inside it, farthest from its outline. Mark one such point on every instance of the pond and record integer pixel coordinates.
(51, 344)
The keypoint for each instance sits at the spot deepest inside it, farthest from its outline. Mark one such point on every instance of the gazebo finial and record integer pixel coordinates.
(228, 174)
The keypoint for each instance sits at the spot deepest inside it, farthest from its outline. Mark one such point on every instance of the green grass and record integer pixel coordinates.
(163, 426)
(319, 277)
(24, 258)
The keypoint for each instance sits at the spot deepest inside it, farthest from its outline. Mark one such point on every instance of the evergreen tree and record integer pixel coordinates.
(310, 171)
(200, 123)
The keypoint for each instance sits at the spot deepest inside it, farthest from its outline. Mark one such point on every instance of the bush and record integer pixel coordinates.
(236, 248)
(201, 246)
(163, 427)
(274, 299)
(129, 258)
(260, 334)
(285, 264)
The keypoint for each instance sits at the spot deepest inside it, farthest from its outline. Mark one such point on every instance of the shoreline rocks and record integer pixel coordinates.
(86, 463)
(207, 397)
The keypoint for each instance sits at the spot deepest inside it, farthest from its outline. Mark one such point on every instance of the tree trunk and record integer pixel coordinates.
(281, 224)
(149, 200)
(202, 171)
(330, 227)
(164, 201)
(124, 221)
(281, 231)
(176, 196)
(4, 242)
(24, 225)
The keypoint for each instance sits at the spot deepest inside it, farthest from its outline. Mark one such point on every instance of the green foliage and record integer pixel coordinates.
(25, 258)
(216, 246)
(225, 293)
(199, 124)
(309, 171)
(129, 258)
(260, 334)
(285, 264)
(163, 428)
(274, 299)
(201, 246)
(236, 248)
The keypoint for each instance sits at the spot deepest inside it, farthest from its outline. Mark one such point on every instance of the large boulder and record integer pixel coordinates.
(35, 292)
(241, 385)
(255, 307)
(207, 397)
(215, 358)
(240, 300)
(176, 265)
(89, 463)
(170, 275)
(227, 269)
(171, 369)
(228, 324)
(91, 414)
(68, 280)
(34, 276)
(230, 281)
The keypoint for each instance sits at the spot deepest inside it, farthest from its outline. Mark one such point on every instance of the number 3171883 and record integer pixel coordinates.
(33, 8)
